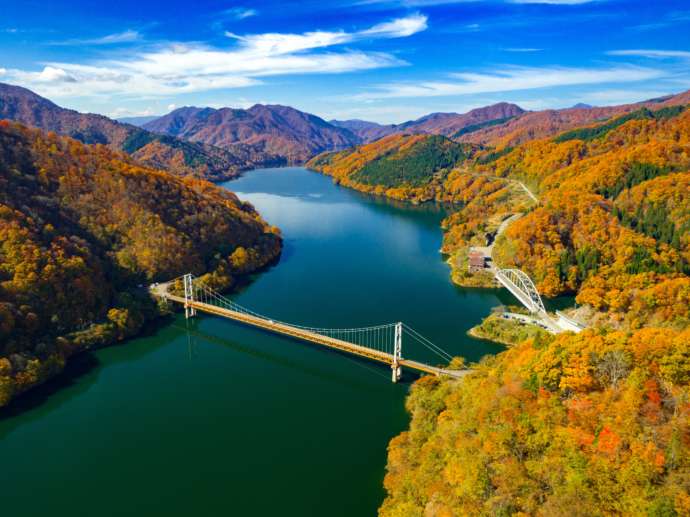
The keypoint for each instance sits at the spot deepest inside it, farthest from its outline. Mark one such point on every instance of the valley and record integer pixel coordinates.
(591, 204)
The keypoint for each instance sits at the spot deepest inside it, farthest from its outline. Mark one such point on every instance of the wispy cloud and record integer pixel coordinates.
(621, 96)
(128, 36)
(651, 53)
(184, 68)
(523, 49)
(239, 13)
(281, 43)
(667, 20)
(555, 2)
(512, 79)
(426, 3)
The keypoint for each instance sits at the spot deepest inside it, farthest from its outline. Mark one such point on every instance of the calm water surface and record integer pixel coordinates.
(212, 418)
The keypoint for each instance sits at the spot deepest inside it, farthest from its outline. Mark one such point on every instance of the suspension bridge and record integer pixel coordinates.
(380, 343)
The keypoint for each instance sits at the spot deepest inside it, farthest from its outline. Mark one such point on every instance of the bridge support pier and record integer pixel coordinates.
(189, 311)
(397, 353)
(397, 372)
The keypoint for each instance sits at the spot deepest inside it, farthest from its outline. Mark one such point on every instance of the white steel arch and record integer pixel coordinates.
(522, 287)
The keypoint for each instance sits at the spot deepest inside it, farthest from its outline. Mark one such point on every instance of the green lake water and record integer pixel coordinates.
(208, 417)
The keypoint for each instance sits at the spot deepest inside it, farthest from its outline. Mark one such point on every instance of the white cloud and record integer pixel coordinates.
(120, 37)
(239, 13)
(523, 49)
(3, 71)
(650, 53)
(126, 112)
(184, 68)
(54, 75)
(554, 2)
(171, 107)
(128, 36)
(281, 43)
(398, 28)
(422, 3)
(512, 79)
(620, 96)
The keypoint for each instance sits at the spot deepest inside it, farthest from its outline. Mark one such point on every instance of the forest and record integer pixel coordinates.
(595, 423)
(587, 424)
(84, 230)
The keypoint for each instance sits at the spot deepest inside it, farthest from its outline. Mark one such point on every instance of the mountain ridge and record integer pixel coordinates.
(280, 130)
(175, 155)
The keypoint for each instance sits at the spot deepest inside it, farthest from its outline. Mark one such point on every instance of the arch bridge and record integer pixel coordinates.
(522, 287)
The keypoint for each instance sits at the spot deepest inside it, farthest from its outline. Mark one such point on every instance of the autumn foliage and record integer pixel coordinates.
(579, 425)
(595, 423)
(82, 227)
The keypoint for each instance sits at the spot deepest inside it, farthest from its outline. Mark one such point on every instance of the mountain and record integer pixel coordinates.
(163, 152)
(568, 424)
(81, 227)
(137, 121)
(366, 131)
(540, 124)
(403, 166)
(278, 130)
(582, 105)
(450, 124)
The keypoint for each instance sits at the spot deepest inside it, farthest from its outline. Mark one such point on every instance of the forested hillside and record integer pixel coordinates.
(401, 166)
(613, 225)
(584, 425)
(421, 168)
(590, 424)
(84, 229)
(158, 151)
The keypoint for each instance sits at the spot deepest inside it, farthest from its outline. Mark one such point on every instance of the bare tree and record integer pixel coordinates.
(612, 367)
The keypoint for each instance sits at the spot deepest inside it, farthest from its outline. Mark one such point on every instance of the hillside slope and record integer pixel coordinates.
(589, 424)
(278, 130)
(81, 227)
(173, 154)
(541, 124)
(402, 166)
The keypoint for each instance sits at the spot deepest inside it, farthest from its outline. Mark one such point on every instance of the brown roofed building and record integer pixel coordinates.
(477, 261)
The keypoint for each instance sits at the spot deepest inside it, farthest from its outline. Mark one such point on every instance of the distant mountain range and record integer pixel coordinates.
(163, 152)
(546, 123)
(451, 125)
(277, 130)
(217, 144)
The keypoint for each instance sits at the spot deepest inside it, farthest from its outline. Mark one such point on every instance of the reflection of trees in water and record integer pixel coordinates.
(80, 373)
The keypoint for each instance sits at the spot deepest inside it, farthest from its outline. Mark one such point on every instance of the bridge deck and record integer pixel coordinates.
(312, 337)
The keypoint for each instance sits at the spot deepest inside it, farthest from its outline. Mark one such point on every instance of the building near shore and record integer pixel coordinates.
(477, 261)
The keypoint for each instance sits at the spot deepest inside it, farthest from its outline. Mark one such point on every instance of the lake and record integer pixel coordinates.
(207, 417)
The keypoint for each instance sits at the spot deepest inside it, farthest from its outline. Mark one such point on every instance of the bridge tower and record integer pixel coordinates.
(188, 296)
(397, 353)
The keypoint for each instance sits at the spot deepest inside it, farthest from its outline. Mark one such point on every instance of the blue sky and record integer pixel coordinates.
(381, 60)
